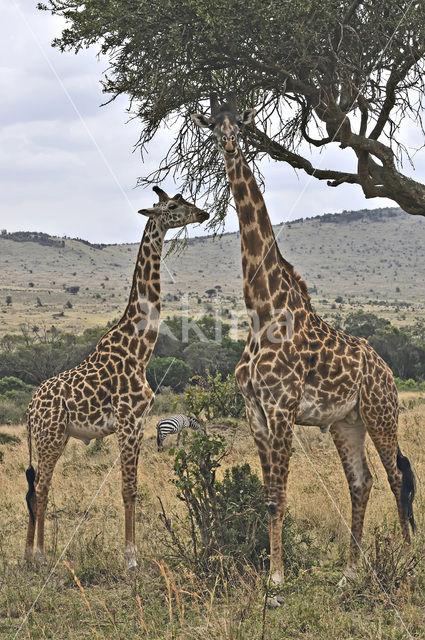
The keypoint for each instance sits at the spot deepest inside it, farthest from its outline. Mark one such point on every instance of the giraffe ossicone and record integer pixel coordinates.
(107, 392)
(320, 376)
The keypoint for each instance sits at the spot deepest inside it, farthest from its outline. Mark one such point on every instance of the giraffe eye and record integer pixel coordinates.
(172, 206)
(224, 138)
(232, 138)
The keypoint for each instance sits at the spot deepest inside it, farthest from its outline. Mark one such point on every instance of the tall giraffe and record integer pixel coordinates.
(297, 369)
(108, 392)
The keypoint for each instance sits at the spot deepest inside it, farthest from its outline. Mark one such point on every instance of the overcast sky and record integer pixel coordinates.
(67, 165)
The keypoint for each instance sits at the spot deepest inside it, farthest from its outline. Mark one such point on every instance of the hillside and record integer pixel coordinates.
(373, 259)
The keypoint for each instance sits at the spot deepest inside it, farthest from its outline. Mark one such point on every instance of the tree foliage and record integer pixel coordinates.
(342, 71)
(403, 349)
(215, 397)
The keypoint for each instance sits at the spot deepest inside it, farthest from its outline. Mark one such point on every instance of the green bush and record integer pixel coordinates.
(409, 385)
(168, 372)
(215, 397)
(14, 398)
(13, 410)
(226, 523)
(10, 383)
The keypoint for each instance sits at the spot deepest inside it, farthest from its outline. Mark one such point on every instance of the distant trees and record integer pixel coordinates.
(185, 349)
(168, 372)
(403, 349)
(202, 344)
(180, 362)
(35, 356)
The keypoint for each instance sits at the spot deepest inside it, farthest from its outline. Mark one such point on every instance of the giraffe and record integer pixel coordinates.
(108, 392)
(297, 369)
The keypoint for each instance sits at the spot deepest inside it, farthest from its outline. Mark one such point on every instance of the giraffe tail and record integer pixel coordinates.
(30, 474)
(407, 487)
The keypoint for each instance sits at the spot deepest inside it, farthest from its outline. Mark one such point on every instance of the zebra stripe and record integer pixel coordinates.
(174, 424)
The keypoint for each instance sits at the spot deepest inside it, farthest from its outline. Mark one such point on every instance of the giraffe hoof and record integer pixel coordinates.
(341, 584)
(274, 602)
(132, 564)
(40, 558)
(349, 574)
(29, 556)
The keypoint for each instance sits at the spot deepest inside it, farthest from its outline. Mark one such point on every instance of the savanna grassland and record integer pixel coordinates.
(372, 260)
(164, 599)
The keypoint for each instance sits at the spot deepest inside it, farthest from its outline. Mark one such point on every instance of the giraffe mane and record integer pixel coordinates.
(299, 281)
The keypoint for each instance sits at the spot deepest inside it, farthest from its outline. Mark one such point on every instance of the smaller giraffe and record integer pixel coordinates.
(108, 392)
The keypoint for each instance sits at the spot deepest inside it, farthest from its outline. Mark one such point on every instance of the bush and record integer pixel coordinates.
(409, 385)
(10, 383)
(13, 411)
(214, 396)
(227, 522)
(168, 372)
(14, 398)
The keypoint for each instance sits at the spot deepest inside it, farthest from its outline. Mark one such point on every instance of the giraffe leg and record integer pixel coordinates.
(46, 464)
(260, 431)
(281, 430)
(385, 441)
(349, 439)
(258, 426)
(129, 447)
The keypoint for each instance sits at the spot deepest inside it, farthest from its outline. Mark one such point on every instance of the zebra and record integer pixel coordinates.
(174, 424)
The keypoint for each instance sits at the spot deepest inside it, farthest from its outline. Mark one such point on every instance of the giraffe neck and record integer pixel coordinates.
(266, 274)
(141, 318)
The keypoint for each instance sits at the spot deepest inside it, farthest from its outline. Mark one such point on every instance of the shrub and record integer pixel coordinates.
(6, 438)
(170, 372)
(73, 290)
(14, 398)
(214, 396)
(100, 445)
(13, 411)
(226, 521)
(11, 383)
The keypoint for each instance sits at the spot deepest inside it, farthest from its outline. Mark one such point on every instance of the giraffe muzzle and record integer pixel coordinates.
(202, 216)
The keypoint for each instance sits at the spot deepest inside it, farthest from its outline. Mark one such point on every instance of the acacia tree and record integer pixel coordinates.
(336, 71)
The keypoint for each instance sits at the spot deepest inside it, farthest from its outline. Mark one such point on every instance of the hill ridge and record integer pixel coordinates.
(363, 259)
(345, 216)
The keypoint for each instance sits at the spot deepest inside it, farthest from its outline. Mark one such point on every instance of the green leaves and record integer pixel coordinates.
(227, 520)
(214, 396)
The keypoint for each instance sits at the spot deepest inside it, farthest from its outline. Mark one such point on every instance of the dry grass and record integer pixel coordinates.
(92, 596)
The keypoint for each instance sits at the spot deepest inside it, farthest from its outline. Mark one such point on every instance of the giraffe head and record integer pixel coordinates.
(225, 122)
(174, 212)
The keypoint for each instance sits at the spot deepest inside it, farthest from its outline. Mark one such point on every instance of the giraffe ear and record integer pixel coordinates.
(246, 117)
(151, 212)
(201, 121)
